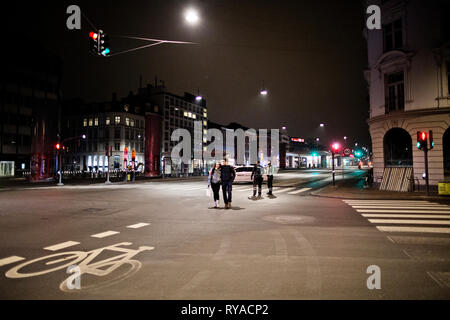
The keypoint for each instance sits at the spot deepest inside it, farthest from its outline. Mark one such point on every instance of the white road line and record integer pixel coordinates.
(104, 234)
(244, 190)
(63, 245)
(401, 207)
(414, 229)
(399, 211)
(138, 225)
(393, 221)
(427, 216)
(9, 260)
(286, 190)
(300, 191)
(380, 202)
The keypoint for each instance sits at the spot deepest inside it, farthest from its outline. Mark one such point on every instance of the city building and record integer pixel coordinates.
(409, 77)
(177, 112)
(90, 129)
(29, 105)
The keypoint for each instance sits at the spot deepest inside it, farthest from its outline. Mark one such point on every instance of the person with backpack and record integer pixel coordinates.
(257, 177)
(270, 173)
(227, 175)
(214, 181)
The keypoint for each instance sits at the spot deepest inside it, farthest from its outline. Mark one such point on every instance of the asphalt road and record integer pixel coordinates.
(162, 240)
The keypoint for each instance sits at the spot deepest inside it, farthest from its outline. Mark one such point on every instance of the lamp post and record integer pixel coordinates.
(61, 147)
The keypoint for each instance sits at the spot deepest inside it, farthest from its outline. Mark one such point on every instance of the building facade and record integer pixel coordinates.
(409, 77)
(29, 106)
(113, 125)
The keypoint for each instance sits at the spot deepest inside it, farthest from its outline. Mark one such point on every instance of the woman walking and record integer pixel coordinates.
(214, 181)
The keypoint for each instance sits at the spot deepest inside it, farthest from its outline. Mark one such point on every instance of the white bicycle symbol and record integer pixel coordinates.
(83, 260)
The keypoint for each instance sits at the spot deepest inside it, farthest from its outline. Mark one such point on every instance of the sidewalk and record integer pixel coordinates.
(357, 191)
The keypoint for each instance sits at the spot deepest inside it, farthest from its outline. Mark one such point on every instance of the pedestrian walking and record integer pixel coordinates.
(214, 181)
(270, 173)
(227, 175)
(257, 177)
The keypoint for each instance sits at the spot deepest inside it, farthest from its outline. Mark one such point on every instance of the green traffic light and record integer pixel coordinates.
(106, 51)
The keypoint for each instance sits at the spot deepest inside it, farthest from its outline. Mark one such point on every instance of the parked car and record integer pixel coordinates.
(244, 174)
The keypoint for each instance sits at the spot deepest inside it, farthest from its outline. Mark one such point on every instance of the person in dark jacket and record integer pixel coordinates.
(214, 181)
(228, 174)
(257, 177)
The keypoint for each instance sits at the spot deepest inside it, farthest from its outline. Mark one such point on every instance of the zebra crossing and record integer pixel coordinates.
(404, 216)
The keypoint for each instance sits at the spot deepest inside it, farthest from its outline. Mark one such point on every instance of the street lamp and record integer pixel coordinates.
(199, 97)
(191, 16)
(59, 146)
(322, 125)
(264, 91)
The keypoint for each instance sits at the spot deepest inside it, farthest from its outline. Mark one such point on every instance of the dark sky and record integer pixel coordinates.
(311, 55)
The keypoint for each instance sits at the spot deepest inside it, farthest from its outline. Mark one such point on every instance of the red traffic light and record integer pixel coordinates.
(336, 147)
(93, 35)
(58, 146)
(423, 136)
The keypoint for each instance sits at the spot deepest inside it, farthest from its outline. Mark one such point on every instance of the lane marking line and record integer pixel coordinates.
(414, 229)
(394, 221)
(400, 207)
(300, 191)
(138, 225)
(286, 190)
(398, 211)
(425, 216)
(104, 234)
(9, 260)
(63, 245)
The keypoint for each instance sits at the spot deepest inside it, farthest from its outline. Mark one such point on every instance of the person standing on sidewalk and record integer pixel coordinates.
(257, 177)
(214, 181)
(270, 173)
(228, 174)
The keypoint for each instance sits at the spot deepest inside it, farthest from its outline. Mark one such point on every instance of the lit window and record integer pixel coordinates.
(205, 132)
(132, 122)
(194, 116)
(117, 120)
(90, 122)
(108, 121)
(96, 121)
(205, 115)
(85, 123)
(185, 114)
(204, 140)
(205, 123)
(127, 122)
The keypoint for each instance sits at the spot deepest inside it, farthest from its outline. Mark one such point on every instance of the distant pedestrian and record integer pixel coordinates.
(214, 181)
(270, 173)
(257, 177)
(228, 174)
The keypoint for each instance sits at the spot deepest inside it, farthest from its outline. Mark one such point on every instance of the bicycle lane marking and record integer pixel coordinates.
(10, 260)
(138, 225)
(104, 234)
(61, 246)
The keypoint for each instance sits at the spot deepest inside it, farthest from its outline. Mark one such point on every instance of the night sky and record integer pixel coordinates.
(311, 55)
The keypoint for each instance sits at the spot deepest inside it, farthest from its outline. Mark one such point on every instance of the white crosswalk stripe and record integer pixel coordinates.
(300, 191)
(407, 216)
(285, 190)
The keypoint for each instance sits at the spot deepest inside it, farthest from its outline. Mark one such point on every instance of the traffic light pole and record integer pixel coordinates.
(427, 181)
(332, 163)
(60, 184)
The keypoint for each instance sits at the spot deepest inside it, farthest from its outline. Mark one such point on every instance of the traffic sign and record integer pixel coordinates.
(347, 152)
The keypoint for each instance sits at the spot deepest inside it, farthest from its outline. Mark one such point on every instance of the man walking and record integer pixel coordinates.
(257, 177)
(228, 174)
(270, 172)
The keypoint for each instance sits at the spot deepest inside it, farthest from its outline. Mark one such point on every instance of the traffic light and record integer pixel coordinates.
(358, 154)
(422, 139)
(336, 147)
(58, 146)
(431, 140)
(104, 44)
(94, 42)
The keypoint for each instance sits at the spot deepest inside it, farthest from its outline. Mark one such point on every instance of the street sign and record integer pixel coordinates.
(347, 152)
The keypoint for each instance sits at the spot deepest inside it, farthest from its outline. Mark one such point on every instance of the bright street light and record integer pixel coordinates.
(192, 16)
(322, 125)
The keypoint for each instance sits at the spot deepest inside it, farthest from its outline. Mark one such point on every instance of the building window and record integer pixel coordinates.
(395, 92)
(90, 122)
(108, 121)
(132, 122)
(117, 146)
(85, 122)
(127, 122)
(448, 77)
(117, 133)
(117, 120)
(393, 35)
(96, 121)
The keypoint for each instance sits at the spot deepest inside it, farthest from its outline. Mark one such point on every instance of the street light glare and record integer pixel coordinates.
(264, 92)
(192, 16)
